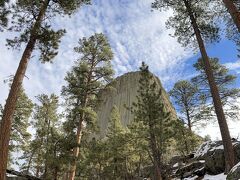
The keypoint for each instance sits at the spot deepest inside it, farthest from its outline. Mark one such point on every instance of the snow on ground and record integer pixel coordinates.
(203, 149)
(216, 177)
(210, 177)
(235, 167)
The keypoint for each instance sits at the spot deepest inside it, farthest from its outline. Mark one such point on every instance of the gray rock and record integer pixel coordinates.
(122, 93)
(234, 174)
(191, 169)
(213, 154)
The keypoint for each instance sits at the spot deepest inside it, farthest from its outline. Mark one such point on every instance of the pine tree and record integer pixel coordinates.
(3, 14)
(150, 110)
(224, 81)
(187, 99)
(32, 20)
(233, 10)
(44, 155)
(192, 21)
(19, 133)
(186, 140)
(89, 75)
(222, 14)
(116, 147)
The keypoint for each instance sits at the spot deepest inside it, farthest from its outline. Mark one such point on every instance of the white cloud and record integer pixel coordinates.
(135, 33)
(233, 65)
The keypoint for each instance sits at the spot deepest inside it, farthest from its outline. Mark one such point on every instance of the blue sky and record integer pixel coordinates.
(135, 33)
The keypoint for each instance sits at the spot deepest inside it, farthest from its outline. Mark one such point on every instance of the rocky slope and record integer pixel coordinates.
(123, 93)
(208, 160)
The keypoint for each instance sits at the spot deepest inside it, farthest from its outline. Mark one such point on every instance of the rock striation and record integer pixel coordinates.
(122, 93)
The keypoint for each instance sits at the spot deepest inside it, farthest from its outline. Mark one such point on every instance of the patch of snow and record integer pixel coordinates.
(202, 161)
(235, 167)
(203, 149)
(218, 147)
(175, 165)
(208, 146)
(235, 143)
(215, 177)
(209, 177)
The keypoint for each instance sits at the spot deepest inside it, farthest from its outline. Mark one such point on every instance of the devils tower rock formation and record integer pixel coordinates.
(123, 93)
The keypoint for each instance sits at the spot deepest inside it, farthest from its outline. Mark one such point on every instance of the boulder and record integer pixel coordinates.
(234, 174)
(192, 169)
(213, 154)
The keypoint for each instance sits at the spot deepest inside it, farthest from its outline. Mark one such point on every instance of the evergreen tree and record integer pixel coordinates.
(192, 21)
(232, 7)
(19, 133)
(151, 112)
(89, 75)
(224, 81)
(186, 140)
(43, 156)
(186, 97)
(33, 20)
(3, 14)
(116, 147)
(222, 14)
(107, 158)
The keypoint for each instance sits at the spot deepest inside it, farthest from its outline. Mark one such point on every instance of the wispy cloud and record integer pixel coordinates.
(135, 33)
(233, 65)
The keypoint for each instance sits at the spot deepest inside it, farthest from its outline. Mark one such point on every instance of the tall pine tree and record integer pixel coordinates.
(87, 77)
(233, 10)
(43, 155)
(151, 112)
(224, 81)
(33, 20)
(19, 133)
(186, 97)
(192, 21)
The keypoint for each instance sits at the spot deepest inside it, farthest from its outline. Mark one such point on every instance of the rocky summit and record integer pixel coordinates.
(122, 93)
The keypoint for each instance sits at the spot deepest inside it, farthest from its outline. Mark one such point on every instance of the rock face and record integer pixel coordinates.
(123, 93)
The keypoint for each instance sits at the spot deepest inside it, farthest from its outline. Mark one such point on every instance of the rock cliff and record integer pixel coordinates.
(122, 93)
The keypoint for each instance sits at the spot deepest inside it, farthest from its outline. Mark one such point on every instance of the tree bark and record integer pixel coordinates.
(76, 151)
(14, 91)
(156, 155)
(227, 143)
(233, 11)
(188, 118)
(80, 125)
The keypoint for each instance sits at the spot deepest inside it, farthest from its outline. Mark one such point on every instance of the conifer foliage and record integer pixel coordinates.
(3, 14)
(224, 81)
(152, 113)
(44, 155)
(32, 21)
(89, 75)
(192, 21)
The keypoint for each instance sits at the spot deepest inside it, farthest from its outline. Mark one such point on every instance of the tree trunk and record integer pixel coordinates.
(14, 91)
(188, 119)
(227, 143)
(76, 151)
(235, 14)
(55, 175)
(156, 157)
(80, 126)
